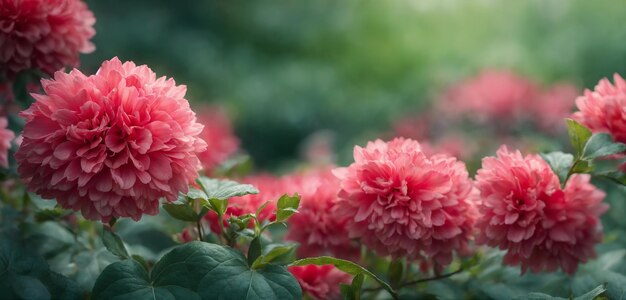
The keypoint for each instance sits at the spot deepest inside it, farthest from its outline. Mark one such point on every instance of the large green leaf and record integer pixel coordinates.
(213, 271)
(129, 280)
(601, 145)
(344, 265)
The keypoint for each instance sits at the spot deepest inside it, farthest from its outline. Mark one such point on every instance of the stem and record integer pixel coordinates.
(200, 233)
(442, 276)
(570, 172)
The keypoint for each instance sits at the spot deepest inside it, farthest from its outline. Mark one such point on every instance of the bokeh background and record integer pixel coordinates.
(285, 70)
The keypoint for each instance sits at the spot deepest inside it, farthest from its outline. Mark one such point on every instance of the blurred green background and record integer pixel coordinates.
(285, 69)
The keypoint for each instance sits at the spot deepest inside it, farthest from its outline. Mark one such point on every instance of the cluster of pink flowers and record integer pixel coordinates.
(317, 227)
(602, 110)
(270, 189)
(110, 144)
(6, 136)
(320, 282)
(43, 34)
(404, 203)
(497, 95)
(525, 211)
(219, 136)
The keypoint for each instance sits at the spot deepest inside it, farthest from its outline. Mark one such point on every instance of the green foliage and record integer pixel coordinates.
(559, 162)
(579, 135)
(595, 294)
(286, 207)
(601, 145)
(212, 271)
(26, 275)
(114, 243)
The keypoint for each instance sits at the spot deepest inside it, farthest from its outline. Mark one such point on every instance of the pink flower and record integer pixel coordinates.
(602, 110)
(317, 226)
(270, 189)
(525, 211)
(404, 203)
(219, 136)
(320, 282)
(491, 95)
(110, 144)
(43, 34)
(554, 105)
(6, 136)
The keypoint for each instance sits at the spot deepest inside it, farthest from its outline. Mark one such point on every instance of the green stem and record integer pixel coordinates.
(200, 231)
(570, 172)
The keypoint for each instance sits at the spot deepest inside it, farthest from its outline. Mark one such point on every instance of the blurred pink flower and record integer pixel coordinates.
(110, 144)
(43, 34)
(270, 189)
(490, 95)
(553, 105)
(404, 203)
(525, 212)
(6, 136)
(320, 282)
(317, 226)
(602, 110)
(219, 136)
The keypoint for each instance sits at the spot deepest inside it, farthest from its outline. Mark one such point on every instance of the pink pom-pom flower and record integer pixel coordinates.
(491, 95)
(317, 226)
(43, 34)
(110, 144)
(219, 136)
(404, 203)
(602, 110)
(320, 282)
(6, 136)
(525, 212)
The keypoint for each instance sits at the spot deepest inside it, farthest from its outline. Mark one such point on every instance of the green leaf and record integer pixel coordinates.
(195, 193)
(287, 206)
(343, 265)
(591, 295)
(275, 252)
(559, 162)
(601, 145)
(27, 287)
(224, 189)
(346, 291)
(578, 135)
(114, 244)
(213, 271)
(182, 211)
(357, 284)
(218, 272)
(219, 205)
(129, 280)
(254, 251)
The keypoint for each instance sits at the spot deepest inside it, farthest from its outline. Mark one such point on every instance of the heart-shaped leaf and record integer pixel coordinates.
(129, 280)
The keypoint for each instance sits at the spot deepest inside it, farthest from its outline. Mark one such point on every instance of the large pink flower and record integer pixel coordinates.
(525, 211)
(317, 226)
(43, 34)
(320, 282)
(219, 137)
(6, 136)
(602, 110)
(110, 144)
(491, 95)
(270, 189)
(404, 203)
